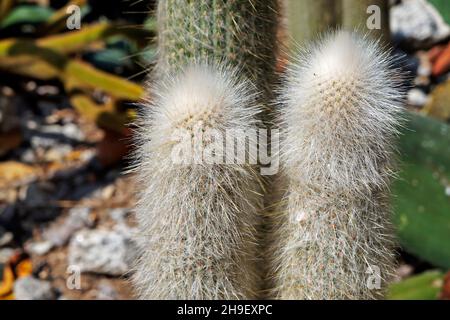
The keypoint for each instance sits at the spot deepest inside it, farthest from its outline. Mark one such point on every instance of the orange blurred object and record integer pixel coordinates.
(18, 266)
(442, 62)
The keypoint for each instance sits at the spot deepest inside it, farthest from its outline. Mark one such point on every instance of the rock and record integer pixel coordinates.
(6, 254)
(38, 142)
(416, 24)
(5, 237)
(38, 201)
(59, 234)
(58, 152)
(119, 214)
(72, 131)
(417, 98)
(28, 156)
(425, 67)
(102, 251)
(403, 271)
(68, 130)
(30, 288)
(39, 248)
(46, 136)
(105, 291)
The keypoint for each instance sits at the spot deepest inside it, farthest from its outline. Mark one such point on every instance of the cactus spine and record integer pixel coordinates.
(199, 223)
(340, 111)
(241, 33)
(197, 220)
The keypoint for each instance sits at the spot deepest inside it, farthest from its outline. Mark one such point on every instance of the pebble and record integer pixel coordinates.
(28, 156)
(119, 214)
(404, 271)
(6, 254)
(30, 288)
(41, 142)
(417, 24)
(417, 98)
(5, 237)
(39, 248)
(105, 291)
(58, 152)
(59, 234)
(102, 252)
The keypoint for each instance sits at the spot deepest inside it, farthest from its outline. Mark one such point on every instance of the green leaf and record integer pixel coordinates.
(113, 60)
(27, 14)
(443, 6)
(425, 286)
(421, 202)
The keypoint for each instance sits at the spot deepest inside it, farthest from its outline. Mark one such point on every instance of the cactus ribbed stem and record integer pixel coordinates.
(334, 238)
(307, 19)
(240, 32)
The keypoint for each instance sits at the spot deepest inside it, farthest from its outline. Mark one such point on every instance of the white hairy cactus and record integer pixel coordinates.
(333, 238)
(197, 220)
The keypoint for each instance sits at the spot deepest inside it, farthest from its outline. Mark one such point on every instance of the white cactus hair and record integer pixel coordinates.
(198, 222)
(341, 106)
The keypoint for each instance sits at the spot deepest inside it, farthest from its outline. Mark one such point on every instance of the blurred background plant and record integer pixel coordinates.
(66, 97)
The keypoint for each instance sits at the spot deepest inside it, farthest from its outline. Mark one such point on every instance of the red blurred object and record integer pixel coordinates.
(445, 294)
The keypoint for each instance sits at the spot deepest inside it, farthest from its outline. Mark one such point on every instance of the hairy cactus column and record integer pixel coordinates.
(241, 33)
(197, 215)
(335, 238)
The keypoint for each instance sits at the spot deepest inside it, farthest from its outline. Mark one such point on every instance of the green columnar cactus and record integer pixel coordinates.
(239, 32)
(307, 19)
(341, 107)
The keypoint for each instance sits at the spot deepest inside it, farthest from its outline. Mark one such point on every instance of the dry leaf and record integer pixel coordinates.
(14, 173)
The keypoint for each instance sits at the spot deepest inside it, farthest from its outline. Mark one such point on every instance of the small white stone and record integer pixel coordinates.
(102, 251)
(30, 288)
(417, 23)
(417, 98)
(39, 248)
